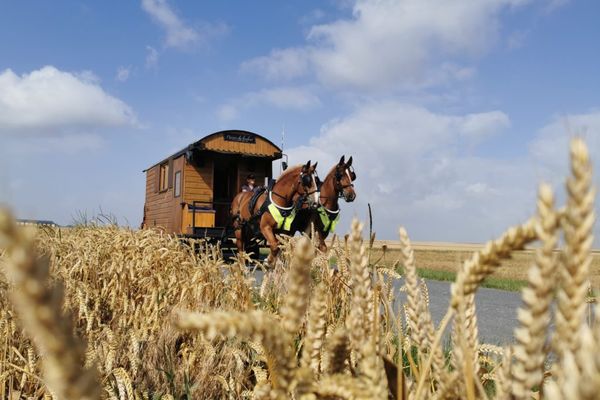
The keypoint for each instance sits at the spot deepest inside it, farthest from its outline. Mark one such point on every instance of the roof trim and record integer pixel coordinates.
(198, 143)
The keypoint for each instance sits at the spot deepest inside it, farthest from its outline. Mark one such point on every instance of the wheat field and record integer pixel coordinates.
(102, 312)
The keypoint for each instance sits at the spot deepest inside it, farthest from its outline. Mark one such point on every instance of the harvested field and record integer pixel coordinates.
(443, 256)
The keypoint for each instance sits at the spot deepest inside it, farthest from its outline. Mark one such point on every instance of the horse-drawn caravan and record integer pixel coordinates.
(189, 193)
(196, 193)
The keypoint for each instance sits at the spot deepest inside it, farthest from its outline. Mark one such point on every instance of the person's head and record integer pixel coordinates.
(250, 180)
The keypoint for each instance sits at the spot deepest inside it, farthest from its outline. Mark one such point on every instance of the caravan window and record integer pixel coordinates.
(177, 191)
(163, 177)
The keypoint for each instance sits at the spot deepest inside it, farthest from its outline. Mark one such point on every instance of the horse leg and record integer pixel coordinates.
(267, 232)
(239, 241)
(321, 239)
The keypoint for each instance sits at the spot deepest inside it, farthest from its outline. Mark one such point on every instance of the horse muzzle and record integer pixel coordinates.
(311, 203)
(349, 197)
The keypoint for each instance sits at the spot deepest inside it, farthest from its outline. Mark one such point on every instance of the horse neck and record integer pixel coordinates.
(329, 196)
(284, 187)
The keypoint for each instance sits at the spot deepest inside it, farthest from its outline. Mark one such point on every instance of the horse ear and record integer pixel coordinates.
(342, 160)
(314, 166)
(349, 163)
(306, 167)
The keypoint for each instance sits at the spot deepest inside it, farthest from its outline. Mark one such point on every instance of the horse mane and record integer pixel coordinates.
(288, 171)
(331, 171)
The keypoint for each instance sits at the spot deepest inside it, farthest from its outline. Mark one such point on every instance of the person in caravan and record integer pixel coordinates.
(250, 183)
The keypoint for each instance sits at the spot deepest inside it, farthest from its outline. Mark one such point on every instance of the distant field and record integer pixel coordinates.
(448, 257)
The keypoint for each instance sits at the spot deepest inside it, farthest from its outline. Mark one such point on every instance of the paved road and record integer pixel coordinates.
(496, 309)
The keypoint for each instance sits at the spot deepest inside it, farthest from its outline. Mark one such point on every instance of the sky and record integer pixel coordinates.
(453, 110)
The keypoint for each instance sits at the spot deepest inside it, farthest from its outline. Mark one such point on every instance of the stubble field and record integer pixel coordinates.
(449, 257)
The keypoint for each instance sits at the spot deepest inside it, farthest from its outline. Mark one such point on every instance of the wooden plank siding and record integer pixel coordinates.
(197, 186)
(198, 182)
(261, 148)
(162, 209)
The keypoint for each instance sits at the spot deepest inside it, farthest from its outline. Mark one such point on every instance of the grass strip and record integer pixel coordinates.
(511, 285)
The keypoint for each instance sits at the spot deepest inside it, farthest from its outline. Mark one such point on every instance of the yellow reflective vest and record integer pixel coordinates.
(329, 223)
(283, 222)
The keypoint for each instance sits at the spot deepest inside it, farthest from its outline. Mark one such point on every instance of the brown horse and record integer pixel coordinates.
(273, 210)
(337, 184)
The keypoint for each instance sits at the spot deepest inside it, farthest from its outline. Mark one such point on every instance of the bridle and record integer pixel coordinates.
(337, 185)
(305, 180)
(339, 188)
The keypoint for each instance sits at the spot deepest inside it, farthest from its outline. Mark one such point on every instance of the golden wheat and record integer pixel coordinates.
(309, 331)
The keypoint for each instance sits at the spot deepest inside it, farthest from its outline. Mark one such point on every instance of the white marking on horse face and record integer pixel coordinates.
(348, 174)
(316, 193)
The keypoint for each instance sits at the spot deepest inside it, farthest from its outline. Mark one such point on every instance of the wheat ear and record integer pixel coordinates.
(315, 331)
(413, 294)
(254, 325)
(482, 263)
(418, 316)
(298, 282)
(39, 306)
(577, 225)
(534, 316)
(359, 321)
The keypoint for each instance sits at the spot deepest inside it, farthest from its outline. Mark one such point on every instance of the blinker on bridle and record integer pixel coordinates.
(339, 175)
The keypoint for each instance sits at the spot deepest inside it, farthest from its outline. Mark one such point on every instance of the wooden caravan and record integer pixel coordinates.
(189, 193)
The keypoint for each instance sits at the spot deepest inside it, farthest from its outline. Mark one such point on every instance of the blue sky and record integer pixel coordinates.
(454, 110)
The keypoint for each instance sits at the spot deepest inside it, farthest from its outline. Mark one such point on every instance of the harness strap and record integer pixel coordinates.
(329, 218)
(283, 218)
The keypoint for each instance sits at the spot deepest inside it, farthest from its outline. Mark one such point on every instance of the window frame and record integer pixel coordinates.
(177, 184)
(163, 177)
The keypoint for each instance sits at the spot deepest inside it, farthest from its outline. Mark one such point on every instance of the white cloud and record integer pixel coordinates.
(178, 33)
(227, 112)
(413, 173)
(548, 149)
(393, 44)
(313, 16)
(484, 124)
(404, 130)
(478, 188)
(281, 64)
(68, 143)
(49, 100)
(123, 73)
(151, 57)
(289, 97)
(296, 98)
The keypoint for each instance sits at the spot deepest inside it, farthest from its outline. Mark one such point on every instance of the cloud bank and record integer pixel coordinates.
(413, 170)
(388, 45)
(49, 101)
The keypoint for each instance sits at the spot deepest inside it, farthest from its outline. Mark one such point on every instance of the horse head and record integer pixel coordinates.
(307, 186)
(344, 178)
